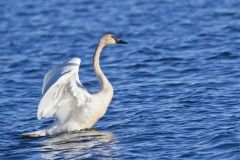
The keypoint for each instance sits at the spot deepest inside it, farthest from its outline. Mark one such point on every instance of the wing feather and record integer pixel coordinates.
(57, 83)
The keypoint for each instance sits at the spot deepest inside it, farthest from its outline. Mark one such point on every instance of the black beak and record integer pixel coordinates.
(119, 41)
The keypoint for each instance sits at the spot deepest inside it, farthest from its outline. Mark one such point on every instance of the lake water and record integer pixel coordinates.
(177, 82)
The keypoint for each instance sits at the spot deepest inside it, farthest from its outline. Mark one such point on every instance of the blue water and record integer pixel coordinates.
(177, 82)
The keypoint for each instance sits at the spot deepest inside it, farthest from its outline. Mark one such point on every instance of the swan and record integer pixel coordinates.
(65, 98)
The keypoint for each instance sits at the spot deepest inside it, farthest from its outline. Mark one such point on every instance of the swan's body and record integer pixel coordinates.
(64, 96)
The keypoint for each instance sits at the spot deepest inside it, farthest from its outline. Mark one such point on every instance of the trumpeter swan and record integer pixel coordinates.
(65, 97)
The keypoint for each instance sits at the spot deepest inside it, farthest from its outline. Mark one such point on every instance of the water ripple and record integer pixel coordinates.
(176, 82)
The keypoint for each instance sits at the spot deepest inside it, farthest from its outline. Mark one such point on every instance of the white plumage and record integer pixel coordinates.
(62, 84)
(65, 97)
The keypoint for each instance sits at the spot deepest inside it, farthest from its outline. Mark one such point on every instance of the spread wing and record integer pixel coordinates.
(62, 84)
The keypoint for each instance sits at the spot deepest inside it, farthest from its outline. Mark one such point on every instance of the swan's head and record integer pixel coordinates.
(110, 39)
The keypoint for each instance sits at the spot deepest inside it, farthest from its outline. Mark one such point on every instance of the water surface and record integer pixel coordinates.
(176, 83)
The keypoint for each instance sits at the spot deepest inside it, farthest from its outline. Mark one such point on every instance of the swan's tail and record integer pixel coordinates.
(39, 133)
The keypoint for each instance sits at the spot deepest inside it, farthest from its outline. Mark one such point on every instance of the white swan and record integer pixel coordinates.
(64, 96)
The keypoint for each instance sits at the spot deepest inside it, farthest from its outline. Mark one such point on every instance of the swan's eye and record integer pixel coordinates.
(114, 37)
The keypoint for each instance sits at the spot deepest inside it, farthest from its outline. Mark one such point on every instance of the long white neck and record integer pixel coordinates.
(105, 84)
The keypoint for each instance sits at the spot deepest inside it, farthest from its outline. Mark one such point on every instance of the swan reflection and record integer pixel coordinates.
(82, 144)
